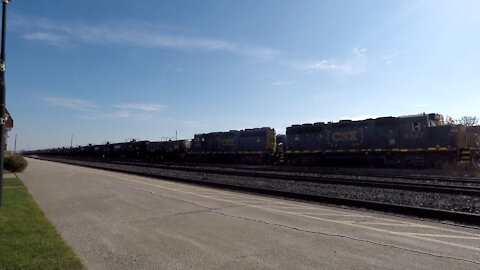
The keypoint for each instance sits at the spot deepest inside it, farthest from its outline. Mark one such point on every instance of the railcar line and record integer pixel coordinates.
(462, 217)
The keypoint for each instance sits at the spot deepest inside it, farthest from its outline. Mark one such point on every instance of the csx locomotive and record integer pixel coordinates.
(419, 140)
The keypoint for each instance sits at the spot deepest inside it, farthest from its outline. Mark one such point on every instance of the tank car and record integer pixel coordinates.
(167, 150)
(130, 150)
(102, 150)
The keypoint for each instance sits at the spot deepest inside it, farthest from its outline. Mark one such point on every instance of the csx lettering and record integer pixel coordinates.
(228, 142)
(347, 136)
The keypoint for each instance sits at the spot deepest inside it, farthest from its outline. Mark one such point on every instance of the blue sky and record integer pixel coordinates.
(112, 70)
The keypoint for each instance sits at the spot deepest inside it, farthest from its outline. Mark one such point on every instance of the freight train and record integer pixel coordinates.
(422, 140)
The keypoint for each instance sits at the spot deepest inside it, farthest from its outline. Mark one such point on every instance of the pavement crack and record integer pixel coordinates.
(349, 238)
(167, 216)
(185, 201)
(215, 210)
(205, 209)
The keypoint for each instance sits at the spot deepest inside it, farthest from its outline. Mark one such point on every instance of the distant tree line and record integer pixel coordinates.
(464, 121)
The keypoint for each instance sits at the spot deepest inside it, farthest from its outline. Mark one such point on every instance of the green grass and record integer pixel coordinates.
(12, 182)
(27, 239)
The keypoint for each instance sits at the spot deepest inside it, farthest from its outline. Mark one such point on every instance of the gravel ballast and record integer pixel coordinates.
(440, 201)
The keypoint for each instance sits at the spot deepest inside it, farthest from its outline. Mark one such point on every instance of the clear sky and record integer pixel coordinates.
(107, 70)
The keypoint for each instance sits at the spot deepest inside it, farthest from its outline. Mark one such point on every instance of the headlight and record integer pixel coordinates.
(477, 141)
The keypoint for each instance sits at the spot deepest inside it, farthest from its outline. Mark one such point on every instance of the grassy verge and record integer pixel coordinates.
(12, 182)
(27, 239)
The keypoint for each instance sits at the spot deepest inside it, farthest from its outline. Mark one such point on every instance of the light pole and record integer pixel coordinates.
(2, 97)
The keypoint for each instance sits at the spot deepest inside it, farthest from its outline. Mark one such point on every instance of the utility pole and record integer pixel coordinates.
(2, 97)
(71, 141)
(176, 137)
(15, 145)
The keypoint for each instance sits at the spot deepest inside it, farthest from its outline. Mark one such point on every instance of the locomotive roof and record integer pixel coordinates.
(131, 142)
(170, 141)
(236, 131)
(353, 122)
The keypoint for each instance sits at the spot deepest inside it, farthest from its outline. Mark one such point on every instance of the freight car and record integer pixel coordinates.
(131, 150)
(167, 150)
(418, 140)
(102, 150)
(255, 146)
(85, 151)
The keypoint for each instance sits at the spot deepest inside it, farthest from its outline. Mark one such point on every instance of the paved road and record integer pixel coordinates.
(119, 221)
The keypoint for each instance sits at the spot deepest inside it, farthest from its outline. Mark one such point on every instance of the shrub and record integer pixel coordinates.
(15, 163)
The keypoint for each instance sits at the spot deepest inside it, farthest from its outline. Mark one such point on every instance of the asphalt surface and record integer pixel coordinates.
(120, 221)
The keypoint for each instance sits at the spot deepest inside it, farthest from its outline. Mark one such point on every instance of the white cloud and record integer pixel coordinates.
(388, 58)
(136, 34)
(281, 83)
(49, 38)
(260, 53)
(71, 103)
(136, 111)
(355, 63)
(330, 65)
(120, 114)
(125, 114)
(142, 107)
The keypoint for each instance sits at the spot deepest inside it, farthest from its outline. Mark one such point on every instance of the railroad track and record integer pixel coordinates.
(467, 176)
(251, 176)
(401, 175)
(417, 183)
(427, 175)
